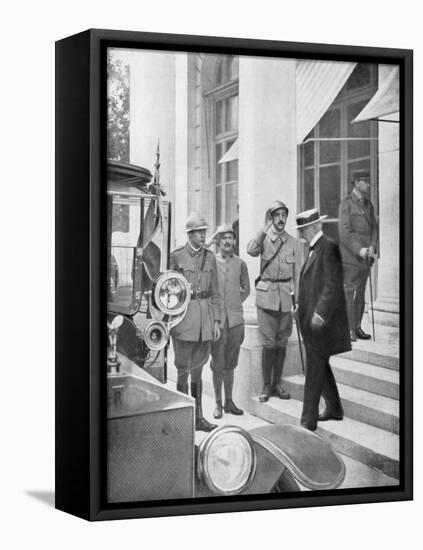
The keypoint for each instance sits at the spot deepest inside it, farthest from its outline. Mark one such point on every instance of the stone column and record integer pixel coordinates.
(267, 171)
(152, 113)
(387, 304)
(180, 204)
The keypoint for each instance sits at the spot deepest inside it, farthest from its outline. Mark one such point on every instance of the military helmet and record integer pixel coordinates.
(225, 228)
(221, 230)
(275, 206)
(195, 222)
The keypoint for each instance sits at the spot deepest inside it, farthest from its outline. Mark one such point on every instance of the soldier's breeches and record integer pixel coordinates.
(275, 326)
(355, 281)
(190, 357)
(225, 352)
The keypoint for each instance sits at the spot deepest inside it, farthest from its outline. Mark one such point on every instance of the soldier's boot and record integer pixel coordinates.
(201, 424)
(266, 368)
(279, 360)
(349, 298)
(182, 383)
(228, 381)
(217, 384)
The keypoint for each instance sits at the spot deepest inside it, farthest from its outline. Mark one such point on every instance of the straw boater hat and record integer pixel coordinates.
(308, 217)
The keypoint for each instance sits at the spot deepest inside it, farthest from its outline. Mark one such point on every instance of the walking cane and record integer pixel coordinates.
(371, 297)
(298, 331)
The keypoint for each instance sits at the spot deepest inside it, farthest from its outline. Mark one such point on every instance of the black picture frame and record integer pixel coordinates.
(80, 245)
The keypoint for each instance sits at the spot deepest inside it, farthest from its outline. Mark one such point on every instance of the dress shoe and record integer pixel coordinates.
(328, 416)
(231, 408)
(279, 391)
(203, 425)
(362, 335)
(266, 392)
(353, 337)
(309, 427)
(218, 413)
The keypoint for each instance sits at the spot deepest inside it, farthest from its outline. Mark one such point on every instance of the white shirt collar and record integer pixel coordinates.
(316, 238)
(196, 250)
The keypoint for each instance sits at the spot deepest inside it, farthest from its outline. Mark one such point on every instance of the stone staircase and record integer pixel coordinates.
(368, 383)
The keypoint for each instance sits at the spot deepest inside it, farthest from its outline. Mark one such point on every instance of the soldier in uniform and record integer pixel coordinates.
(281, 256)
(193, 336)
(358, 233)
(234, 287)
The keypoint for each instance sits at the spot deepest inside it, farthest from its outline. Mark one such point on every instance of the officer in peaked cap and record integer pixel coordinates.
(280, 265)
(201, 325)
(358, 234)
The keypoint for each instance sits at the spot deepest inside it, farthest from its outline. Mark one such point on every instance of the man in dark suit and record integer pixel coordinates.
(358, 233)
(322, 315)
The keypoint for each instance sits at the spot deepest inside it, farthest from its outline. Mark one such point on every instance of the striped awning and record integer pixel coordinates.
(385, 102)
(317, 85)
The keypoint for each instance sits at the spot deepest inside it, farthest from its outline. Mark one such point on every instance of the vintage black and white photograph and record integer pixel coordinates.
(253, 275)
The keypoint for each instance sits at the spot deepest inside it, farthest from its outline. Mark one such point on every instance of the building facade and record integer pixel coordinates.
(236, 133)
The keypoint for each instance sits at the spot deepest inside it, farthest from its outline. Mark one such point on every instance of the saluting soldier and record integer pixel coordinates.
(358, 233)
(234, 287)
(193, 336)
(279, 273)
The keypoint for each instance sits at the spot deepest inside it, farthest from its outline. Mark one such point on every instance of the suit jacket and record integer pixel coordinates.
(321, 291)
(357, 228)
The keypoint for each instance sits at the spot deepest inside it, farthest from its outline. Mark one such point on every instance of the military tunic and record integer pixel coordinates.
(198, 324)
(273, 292)
(357, 229)
(234, 287)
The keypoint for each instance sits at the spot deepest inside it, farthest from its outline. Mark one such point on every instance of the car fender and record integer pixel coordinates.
(310, 460)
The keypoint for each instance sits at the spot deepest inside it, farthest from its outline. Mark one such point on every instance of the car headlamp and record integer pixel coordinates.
(171, 293)
(227, 460)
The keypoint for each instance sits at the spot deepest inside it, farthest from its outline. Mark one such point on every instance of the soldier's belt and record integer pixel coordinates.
(200, 294)
(278, 280)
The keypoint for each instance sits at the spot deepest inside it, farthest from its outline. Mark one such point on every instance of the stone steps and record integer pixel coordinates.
(372, 409)
(364, 355)
(372, 378)
(372, 446)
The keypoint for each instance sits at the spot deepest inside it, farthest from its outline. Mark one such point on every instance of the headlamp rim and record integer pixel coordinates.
(161, 279)
(204, 449)
(146, 335)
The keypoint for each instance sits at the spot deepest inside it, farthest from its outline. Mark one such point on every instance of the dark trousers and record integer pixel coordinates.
(355, 281)
(319, 381)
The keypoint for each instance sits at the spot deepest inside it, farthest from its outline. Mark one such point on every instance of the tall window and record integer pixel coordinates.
(225, 133)
(329, 155)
